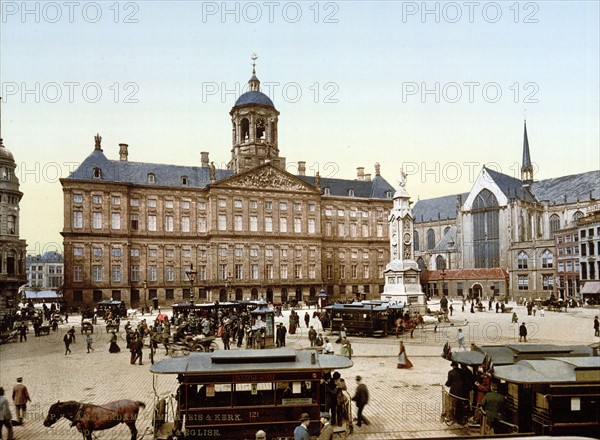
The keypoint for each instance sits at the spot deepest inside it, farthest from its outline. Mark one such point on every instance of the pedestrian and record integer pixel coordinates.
(596, 326)
(403, 361)
(460, 338)
(361, 398)
(240, 334)
(346, 349)
(497, 306)
(523, 332)
(339, 410)
(306, 319)
(89, 340)
(301, 431)
(114, 347)
(542, 311)
(312, 336)
(534, 309)
(67, 340)
(515, 318)
(5, 415)
(20, 396)
(66, 317)
(472, 307)
(327, 429)
(260, 435)
(72, 333)
(327, 348)
(139, 346)
(493, 405)
(319, 340)
(455, 383)
(23, 332)
(490, 304)
(451, 309)
(225, 337)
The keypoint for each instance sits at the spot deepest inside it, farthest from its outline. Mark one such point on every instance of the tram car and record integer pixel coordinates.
(366, 318)
(233, 394)
(549, 389)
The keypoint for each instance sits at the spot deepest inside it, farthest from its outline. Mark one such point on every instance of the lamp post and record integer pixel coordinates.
(145, 285)
(191, 274)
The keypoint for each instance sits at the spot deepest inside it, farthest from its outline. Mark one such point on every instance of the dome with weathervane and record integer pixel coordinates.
(254, 96)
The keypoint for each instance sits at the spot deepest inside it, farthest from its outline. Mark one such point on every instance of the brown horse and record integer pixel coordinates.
(88, 418)
(411, 324)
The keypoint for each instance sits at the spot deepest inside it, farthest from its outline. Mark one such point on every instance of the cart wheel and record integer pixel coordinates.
(185, 352)
(199, 348)
(213, 346)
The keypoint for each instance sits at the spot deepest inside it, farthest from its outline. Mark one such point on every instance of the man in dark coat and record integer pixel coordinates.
(361, 397)
(523, 332)
(457, 387)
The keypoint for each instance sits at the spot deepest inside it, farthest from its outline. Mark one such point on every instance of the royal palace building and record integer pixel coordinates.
(134, 231)
(13, 249)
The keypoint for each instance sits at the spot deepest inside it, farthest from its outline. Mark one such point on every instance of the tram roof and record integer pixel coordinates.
(240, 361)
(551, 370)
(367, 305)
(512, 353)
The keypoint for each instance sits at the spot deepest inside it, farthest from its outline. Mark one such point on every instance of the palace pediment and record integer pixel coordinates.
(267, 177)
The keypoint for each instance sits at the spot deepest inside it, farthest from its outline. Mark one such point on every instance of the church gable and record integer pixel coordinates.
(267, 177)
(485, 180)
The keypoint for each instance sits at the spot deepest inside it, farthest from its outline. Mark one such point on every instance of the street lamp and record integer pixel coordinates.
(191, 274)
(145, 285)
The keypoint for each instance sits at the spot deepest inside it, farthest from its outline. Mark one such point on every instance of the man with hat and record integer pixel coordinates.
(260, 435)
(327, 430)
(20, 396)
(301, 431)
(361, 397)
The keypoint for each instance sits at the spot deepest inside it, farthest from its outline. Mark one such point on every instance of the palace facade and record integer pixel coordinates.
(134, 231)
(13, 249)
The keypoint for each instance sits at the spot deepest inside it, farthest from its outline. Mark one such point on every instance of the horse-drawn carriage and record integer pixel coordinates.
(87, 326)
(112, 325)
(191, 344)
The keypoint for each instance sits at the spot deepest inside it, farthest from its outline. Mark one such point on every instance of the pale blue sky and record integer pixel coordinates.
(372, 60)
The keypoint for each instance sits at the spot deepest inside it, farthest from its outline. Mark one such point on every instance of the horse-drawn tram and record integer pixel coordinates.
(369, 318)
(548, 389)
(233, 394)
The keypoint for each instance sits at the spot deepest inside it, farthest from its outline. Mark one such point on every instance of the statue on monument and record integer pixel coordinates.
(402, 179)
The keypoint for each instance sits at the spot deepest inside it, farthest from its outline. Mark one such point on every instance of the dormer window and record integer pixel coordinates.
(350, 193)
(97, 173)
(326, 191)
(388, 194)
(184, 181)
(151, 178)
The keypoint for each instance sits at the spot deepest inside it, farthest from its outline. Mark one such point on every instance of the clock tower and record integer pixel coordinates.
(402, 272)
(254, 129)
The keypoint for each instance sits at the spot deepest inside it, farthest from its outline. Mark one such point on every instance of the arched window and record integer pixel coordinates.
(430, 239)
(260, 128)
(554, 224)
(577, 215)
(486, 230)
(446, 229)
(547, 259)
(440, 263)
(245, 127)
(522, 260)
(97, 173)
(416, 241)
(421, 264)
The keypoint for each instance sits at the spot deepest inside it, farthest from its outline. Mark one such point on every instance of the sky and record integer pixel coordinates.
(436, 88)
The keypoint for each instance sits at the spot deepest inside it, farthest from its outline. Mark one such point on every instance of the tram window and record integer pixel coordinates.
(210, 396)
(296, 393)
(254, 394)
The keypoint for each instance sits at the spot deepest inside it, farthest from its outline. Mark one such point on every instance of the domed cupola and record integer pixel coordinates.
(254, 132)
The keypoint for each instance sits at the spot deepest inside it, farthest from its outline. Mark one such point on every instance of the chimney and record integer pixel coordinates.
(377, 169)
(301, 168)
(123, 152)
(368, 177)
(204, 159)
(360, 173)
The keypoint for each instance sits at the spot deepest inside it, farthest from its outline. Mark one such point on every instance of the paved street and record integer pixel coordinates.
(404, 403)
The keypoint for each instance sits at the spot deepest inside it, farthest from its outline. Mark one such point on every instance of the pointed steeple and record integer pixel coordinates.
(526, 166)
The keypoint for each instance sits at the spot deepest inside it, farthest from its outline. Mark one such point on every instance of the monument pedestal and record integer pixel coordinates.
(402, 284)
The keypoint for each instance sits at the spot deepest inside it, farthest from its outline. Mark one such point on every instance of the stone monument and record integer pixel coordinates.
(402, 273)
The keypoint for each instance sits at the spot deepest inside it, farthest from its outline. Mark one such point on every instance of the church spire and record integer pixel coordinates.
(254, 83)
(526, 166)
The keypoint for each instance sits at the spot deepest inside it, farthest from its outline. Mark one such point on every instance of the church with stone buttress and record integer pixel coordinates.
(134, 229)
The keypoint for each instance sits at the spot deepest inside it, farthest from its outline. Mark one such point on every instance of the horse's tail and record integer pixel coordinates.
(141, 404)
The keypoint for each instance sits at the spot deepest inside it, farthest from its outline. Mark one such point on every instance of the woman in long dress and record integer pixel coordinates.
(114, 347)
(403, 361)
